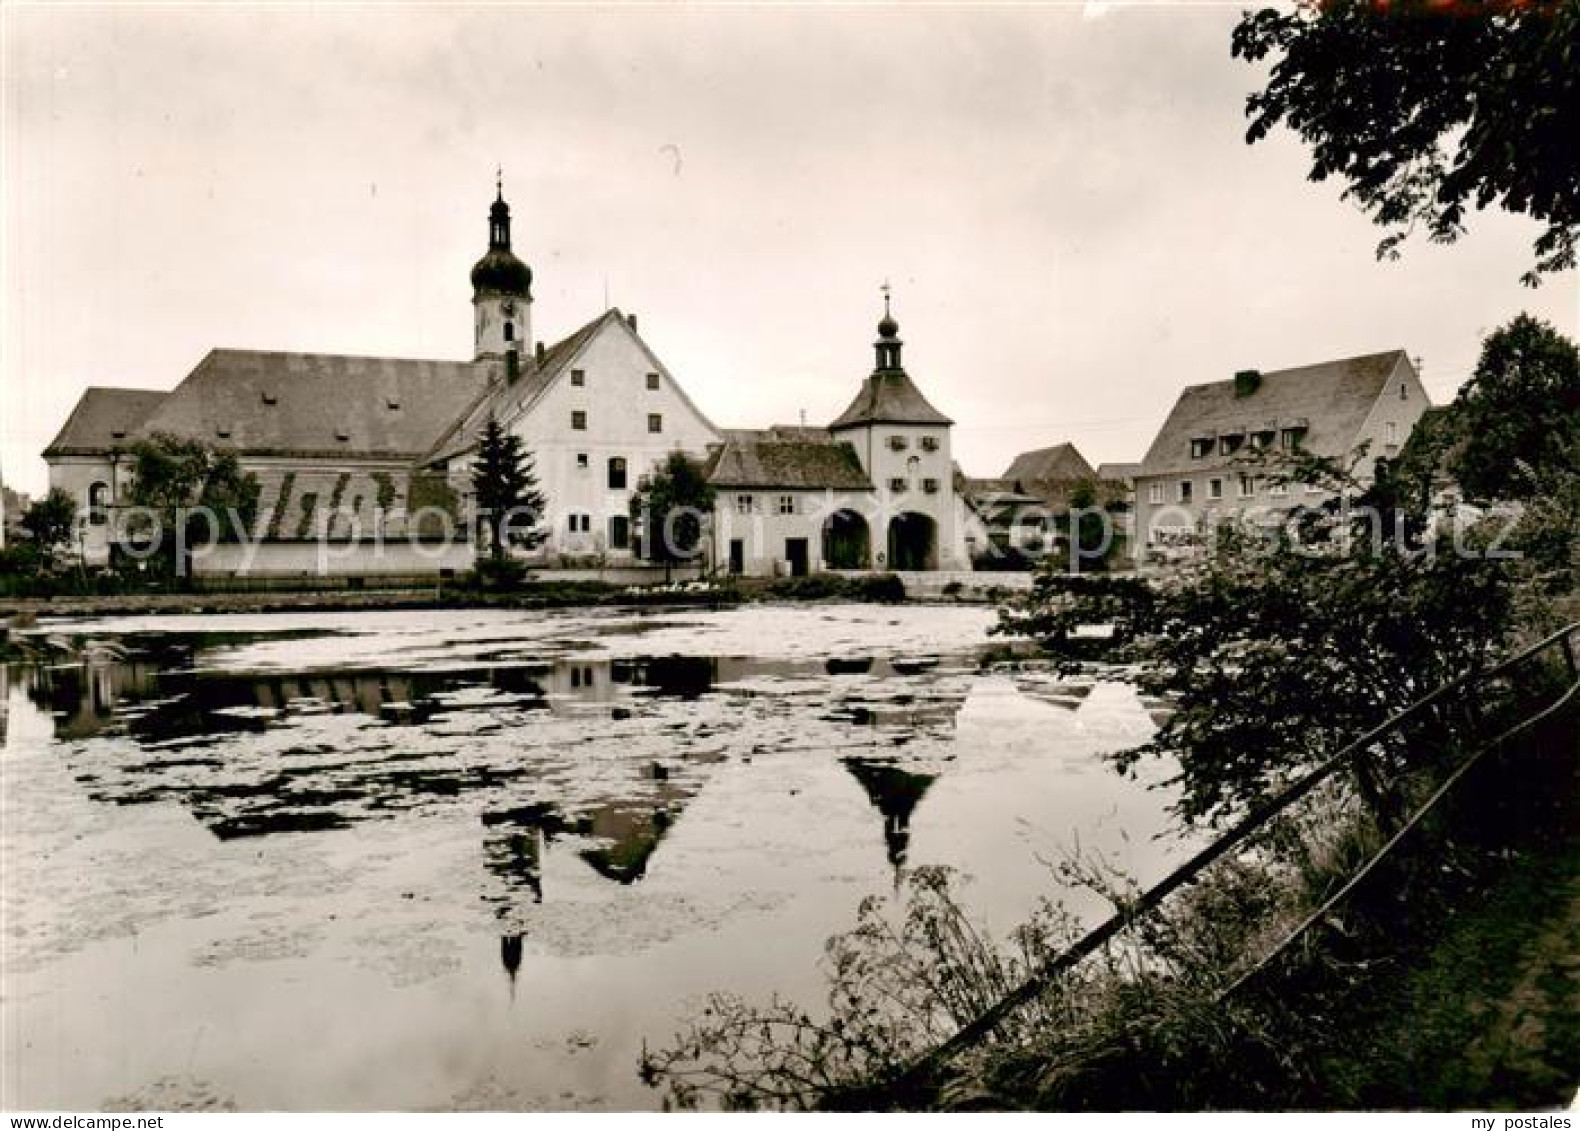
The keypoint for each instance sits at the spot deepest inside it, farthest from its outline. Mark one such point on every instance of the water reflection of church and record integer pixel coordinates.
(156, 701)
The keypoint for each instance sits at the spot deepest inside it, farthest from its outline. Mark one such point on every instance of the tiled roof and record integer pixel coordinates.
(506, 401)
(318, 404)
(792, 458)
(1330, 400)
(103, 419)
(994, 490)
(889, 397)
(1118, 472)
(1061, 461)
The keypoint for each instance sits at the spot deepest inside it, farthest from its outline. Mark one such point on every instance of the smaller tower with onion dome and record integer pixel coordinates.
(501, 290)
(903, 443)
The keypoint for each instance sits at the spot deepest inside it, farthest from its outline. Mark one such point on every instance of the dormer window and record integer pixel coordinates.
(222, 432)
(1201, 447)
(271, 398)
(1292, 438)
(1261, 441)
(1230, 443)
(392, 404)
(342, 435)
(118, 433)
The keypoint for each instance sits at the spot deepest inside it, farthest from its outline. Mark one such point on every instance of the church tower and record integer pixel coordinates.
(501, 291)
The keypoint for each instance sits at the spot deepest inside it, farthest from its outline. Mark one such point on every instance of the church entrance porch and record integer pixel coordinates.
(913, 542)
(846, 542)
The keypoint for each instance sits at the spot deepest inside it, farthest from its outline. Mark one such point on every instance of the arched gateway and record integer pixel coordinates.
(847, 544)
(913, 542)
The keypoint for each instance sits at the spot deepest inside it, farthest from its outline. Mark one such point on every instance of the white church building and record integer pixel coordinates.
(364, 462)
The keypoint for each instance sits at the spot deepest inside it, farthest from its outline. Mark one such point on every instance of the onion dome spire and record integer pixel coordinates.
(888, 343)
(499, 271)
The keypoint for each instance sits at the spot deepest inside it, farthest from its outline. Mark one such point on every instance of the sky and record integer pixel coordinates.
(1060, 195)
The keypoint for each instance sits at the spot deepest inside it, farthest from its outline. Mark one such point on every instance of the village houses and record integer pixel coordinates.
(357, 458)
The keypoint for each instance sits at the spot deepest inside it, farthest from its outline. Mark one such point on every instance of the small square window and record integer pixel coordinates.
(652, 380)
(744, 504)
(655, 422)
(578, 377)
(581, 459)
(930, 486)
(787, 504)
(929, 443)
(897, 486)
(578, 420)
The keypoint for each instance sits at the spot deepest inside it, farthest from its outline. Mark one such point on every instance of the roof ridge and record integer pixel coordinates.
(1266, 373)
(347, 356)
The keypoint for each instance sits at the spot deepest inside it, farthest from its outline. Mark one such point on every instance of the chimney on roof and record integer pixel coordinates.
(539, 353)
(512, 367)
(630, 320)
(1247, 381)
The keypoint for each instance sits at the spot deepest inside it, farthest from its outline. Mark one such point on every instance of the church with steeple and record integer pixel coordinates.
(363, 463)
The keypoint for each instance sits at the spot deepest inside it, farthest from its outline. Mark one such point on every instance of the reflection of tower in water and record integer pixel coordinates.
(510, 957)
(895, 793)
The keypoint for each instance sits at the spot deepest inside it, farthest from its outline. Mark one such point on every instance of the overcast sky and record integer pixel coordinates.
(1061, 196)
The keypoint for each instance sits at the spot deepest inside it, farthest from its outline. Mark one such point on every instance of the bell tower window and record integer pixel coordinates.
(510, 331)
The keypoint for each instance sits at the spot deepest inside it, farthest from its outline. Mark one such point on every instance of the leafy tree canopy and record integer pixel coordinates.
(187, 483)
(505, 489)
(50, 521)
(1275, 649)
(1516, 422)
(1427, 108)
(670, 503)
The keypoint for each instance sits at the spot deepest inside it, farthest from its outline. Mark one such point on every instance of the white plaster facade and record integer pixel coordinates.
(612, 400)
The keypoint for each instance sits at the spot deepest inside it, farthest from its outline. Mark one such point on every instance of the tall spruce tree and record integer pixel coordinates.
(505, 487)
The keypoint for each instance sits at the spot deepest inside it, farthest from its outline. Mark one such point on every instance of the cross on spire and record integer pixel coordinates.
(499, 181)
(885, 290)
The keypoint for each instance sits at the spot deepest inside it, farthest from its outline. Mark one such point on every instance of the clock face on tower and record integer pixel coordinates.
(508, 308)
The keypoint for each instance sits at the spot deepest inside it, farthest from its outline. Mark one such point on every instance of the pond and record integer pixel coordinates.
(474, 859)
